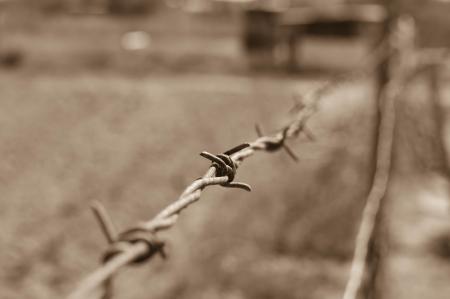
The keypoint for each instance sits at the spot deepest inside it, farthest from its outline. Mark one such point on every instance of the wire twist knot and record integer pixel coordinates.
(226, 166)
(133, 236)
(272, 144)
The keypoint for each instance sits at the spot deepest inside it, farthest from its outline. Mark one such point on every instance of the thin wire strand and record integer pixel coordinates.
(401, 41)
(165, 219)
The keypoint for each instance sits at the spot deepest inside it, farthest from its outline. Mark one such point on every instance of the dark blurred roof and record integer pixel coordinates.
(337, 12)
(307, 11)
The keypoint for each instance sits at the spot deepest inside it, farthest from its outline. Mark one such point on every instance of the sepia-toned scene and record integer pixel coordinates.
(225, 149)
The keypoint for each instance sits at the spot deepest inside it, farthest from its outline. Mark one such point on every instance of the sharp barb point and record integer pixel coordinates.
(236, 149)
(239, 185)
(308, 133)
(290, 153)
(213, 159)
(259, 130)
(105, 221)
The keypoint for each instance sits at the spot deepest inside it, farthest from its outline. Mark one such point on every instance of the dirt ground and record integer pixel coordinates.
(83, 120)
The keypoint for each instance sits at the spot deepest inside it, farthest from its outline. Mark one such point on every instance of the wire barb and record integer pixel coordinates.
(274, 144)
(226, 167)
(110, 233)
(132, 236)
(298, 104)
(105, 222)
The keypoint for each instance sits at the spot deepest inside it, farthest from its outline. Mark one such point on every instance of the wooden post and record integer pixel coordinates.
(439, 115)
(373, 287)
(392, 78)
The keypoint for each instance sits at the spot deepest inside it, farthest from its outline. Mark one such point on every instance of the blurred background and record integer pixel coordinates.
(112, 100)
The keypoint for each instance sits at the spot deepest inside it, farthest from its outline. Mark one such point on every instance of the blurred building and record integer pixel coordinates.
(271, 25)
(97, 6)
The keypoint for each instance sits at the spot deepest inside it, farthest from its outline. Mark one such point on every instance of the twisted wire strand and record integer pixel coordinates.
(402, 41)
(138, 248)
(168, 216)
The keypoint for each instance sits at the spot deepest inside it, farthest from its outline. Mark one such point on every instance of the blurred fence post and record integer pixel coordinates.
(434, 70)
(400, 35)
(373, 287)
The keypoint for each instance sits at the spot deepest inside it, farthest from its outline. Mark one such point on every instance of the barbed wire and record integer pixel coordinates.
(140, 242)
(402, 43)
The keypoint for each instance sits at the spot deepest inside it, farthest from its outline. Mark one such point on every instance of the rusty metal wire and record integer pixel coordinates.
(402, 42)
(140, 243)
